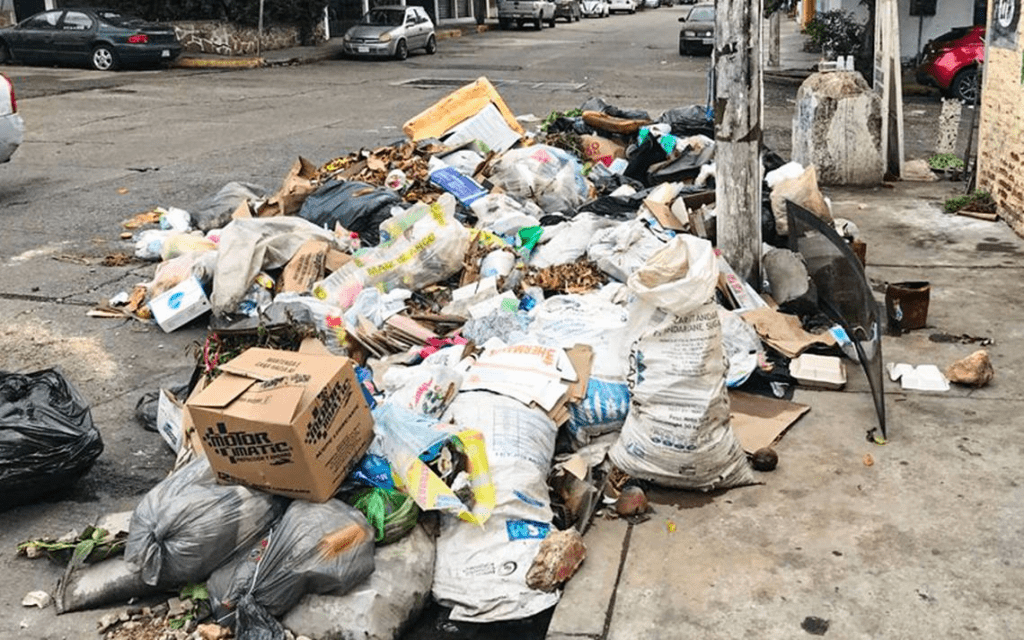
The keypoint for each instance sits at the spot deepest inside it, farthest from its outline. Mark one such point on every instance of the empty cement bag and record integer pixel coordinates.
(47, 438)
(315, 548)
(357, 206)
(188, 524)
(677, 433)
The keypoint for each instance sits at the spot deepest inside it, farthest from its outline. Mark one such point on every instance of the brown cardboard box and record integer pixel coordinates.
(293, 424)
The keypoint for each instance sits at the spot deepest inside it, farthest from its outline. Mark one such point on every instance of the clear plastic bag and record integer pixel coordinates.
(547, 175)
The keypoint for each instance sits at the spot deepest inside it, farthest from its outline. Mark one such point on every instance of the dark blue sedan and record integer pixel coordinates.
(106, 40)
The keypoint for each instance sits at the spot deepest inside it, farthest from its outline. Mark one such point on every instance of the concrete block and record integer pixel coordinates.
(837, 128)
(382, 606)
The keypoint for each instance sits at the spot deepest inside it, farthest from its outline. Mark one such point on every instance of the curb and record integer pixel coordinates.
(215, 63)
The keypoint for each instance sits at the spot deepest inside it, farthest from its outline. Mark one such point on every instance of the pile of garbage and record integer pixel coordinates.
(429, 365)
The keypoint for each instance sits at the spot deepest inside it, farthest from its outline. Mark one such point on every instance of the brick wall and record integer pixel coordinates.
(1001, 132)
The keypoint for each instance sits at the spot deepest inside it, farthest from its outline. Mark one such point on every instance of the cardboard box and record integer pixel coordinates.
(292, 424)
(179, 305)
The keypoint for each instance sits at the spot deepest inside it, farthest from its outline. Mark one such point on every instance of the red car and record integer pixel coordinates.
(950, 62)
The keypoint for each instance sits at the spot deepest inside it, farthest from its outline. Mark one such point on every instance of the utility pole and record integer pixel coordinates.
(739, 109)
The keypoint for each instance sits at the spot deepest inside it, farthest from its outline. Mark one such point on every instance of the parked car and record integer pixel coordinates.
(651, 4)
(950, 62)
(568, 9)
(12, 128)
(107, 40)
(595, 9)
(698, 30)
(391, 32)
(519, 12)
(627, 6)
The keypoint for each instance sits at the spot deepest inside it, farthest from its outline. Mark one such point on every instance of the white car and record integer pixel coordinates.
(595, 8)
(12, 128)
(629, 6)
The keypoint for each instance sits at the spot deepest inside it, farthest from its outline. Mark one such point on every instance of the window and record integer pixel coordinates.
(46, 20)
(76, 21)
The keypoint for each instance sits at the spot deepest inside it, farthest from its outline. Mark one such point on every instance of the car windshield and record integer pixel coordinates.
(953, 34)
(701, 14)
(119, 20)
(385, 17)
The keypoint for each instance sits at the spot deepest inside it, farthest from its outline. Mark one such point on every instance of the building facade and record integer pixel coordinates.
(1001, 131)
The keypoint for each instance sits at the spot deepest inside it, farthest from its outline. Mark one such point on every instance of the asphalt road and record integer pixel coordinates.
(101, 147)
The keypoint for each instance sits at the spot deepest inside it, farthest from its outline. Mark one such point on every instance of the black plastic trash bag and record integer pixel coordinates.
(597, 104)
(315, 548)
(254, 623)
(188, 525)
(689, 121)
(47, 438)
(357, 206)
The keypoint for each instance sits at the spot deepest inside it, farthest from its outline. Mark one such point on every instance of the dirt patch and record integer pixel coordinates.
(33, 345)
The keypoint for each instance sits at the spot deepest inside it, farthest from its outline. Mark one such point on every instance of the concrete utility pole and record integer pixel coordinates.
(739, 110)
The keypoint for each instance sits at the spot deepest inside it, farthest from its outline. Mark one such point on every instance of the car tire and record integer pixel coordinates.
(519, 24)
(401, 50)
(103, 58)
(431, 45)
(551, 23)
(5, 53)
(504, 24)
(965, 85)
(538, 24)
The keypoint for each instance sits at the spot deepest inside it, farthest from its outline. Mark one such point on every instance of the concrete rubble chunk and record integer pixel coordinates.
(560, 555)
(837, 128)
(383, 605)
(974, 371)
(213, 632)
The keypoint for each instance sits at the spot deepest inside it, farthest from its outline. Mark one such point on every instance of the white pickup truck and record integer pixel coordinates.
(519, 12)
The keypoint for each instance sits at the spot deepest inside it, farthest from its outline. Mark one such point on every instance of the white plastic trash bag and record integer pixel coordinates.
(677, 433)
(567, 242)
(481, 570)
(621, 250)
(547, 175)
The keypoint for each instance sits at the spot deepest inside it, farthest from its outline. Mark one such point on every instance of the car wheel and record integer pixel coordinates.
(431, 45)
(965, 85)
(519, 23)
(503, 24)
(551, 23)
(5, 53)
(401, 50)
(104, 58)
(538, 24)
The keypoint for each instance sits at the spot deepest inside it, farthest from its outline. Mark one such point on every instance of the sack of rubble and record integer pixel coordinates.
(481, 570)
(677, 433)
(314, 548)
(546, 175)
(429, 251)
(188, 524)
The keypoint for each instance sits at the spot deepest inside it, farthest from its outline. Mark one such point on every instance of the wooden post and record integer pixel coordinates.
(738, 116)
(888, 83)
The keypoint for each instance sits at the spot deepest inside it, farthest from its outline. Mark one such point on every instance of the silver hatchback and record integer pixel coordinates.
(392, 32)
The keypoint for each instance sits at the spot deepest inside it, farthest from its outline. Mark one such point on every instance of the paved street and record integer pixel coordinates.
(102, 147)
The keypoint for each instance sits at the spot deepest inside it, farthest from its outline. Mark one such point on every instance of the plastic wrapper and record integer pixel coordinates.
(677, 433)
(356, 206)
(429, 251)
(426, 389)
(547, 175)
(314, 548)
(47, 437)
(188, 524)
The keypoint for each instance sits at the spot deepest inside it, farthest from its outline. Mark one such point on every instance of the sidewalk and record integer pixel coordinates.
(869, 541)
